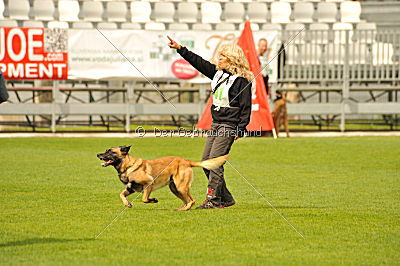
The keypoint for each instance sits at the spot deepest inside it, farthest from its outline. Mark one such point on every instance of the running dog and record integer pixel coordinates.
(149, 175)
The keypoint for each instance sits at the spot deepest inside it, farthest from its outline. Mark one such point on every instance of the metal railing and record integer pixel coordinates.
(335, 61)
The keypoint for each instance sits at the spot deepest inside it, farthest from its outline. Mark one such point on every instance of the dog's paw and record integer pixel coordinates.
(151, 200)
(128, 204)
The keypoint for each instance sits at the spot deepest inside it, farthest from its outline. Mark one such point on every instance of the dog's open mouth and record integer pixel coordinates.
(107, 162)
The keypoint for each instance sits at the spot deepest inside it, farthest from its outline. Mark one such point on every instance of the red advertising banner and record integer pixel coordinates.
(33, 53)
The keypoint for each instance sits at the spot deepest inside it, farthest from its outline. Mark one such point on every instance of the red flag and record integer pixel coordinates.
(261, 118)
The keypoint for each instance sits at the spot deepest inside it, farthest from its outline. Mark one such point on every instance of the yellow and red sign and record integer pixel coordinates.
(33, 53)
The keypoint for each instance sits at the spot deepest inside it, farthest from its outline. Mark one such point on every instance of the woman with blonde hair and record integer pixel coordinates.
(231, 88)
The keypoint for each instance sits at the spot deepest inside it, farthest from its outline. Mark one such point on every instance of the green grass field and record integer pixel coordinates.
(343, 194)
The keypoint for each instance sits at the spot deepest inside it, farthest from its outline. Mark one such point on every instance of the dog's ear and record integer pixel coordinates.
(125, 149)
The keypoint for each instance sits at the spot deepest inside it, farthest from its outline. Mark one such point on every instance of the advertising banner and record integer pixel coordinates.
(104, 54)
(33, 53)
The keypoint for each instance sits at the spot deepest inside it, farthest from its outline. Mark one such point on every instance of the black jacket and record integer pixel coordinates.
(239, 94)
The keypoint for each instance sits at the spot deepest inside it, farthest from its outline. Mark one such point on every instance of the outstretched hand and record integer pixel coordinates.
(173, 44)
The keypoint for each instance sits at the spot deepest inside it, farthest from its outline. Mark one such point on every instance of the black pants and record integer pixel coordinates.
(218, 143)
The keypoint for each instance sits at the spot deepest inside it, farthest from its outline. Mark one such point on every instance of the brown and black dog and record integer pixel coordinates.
(280, 115)
(148, 175)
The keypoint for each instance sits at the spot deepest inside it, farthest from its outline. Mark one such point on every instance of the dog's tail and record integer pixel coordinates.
(210, 164)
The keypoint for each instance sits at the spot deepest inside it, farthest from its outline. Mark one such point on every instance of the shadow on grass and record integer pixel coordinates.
(32, 241)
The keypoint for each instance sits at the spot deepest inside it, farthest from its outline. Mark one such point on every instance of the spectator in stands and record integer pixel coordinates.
(230, 111)
(263, 55)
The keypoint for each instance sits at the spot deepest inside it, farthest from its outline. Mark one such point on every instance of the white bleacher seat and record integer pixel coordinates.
(19, 9)
(303, 12)
(8, 23)
(319, 26)
(366, 26)
(350, 11)
(271, 27)
(1, 9)
(130, 26)
(365, 33)
(140, 12)
(280, 12)
(164, 12)
(326, 12)
(253, 26)
(178, 26)
(82, 25)
(225, 27)
(241, 1)
(234, 12)
(57, 24)
(211, 12)
(43, 10)
(154, 26)
(359, 53)
(68, 10)
(33, 24)
(187, 12)
(201, 26)
(335, 53)
(107, 26)
(257, 12)
(116, 11)
(318, 33)
(295, 27)
(296, 32)
(340, 34)
(92, 11)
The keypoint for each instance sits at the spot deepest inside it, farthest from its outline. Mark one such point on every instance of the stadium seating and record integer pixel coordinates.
(178, 26)
(164, 12)
(154, 26)
(68, 10)
(130, 26)
(211, 12)
(350, 12)
(271, 27)
(82, 25)
(116, 11)
(1, 9)
(107, 26)
(43, 10)
(326, 12)
(33, 24)
(201, 26)
(225, 27)
(19, 9)
(303, 12)
(92, 11)
(8, 23)
(234, 12)
(140, 12)
(280, 12)
(187, 12)
(257, 12)
(58, 24)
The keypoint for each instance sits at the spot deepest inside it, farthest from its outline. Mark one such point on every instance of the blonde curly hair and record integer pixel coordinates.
(237, 62)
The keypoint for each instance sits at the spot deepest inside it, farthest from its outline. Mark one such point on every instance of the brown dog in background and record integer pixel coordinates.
(148, 175)
(280, 115)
